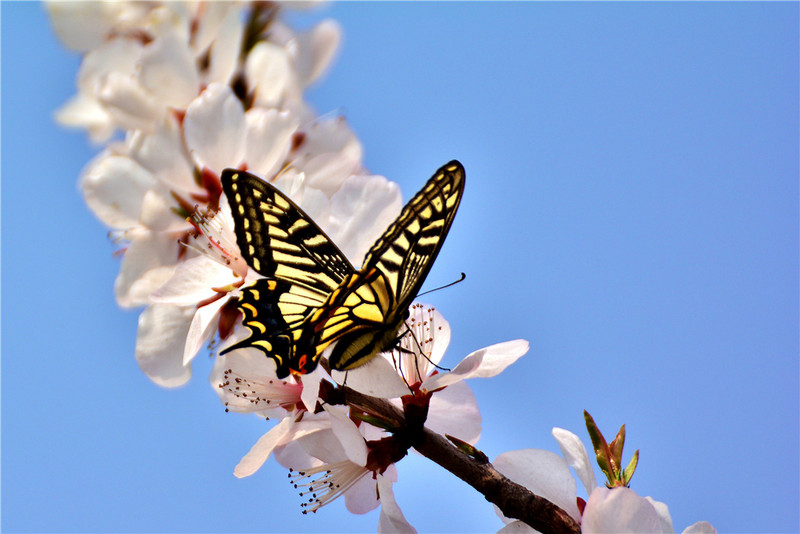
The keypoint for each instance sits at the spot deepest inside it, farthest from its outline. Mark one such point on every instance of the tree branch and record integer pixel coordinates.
(514, 500)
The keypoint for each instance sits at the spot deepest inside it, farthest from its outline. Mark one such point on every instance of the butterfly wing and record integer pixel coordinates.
(366, 312)
(301, 266)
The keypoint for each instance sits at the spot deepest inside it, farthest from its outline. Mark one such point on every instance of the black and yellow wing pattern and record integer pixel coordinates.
(312, 297)
(301, 266)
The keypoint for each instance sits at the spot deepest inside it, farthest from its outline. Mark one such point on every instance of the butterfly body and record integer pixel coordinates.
(312, 297)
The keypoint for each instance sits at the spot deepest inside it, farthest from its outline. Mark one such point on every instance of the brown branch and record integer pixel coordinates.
(514, 500)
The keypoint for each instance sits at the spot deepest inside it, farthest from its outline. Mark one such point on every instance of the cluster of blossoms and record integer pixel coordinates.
(177, 92)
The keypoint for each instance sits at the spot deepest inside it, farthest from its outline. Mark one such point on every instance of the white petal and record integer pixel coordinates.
(483, 363)
(269, 138)
(225, 48)
(259, 452)
(268, 69)
(701, 527)
(214, 127)
(164, 154)
(116, 55)
(203, 327)
(159, 344)
(544, 473)
(619, 510)
(517, 527)
(113, 188)
(84, 112)
(148, 263)
(316, 49)
(129, 103)
(348, 435)
(361, 210)
(362, 497)
(454, 411)
(192, 282)
(168, 71)
(310, 392)
(392, 518)
(663, 515)
(376, 378)
(157, 214)
(85, 25)
(575, 453)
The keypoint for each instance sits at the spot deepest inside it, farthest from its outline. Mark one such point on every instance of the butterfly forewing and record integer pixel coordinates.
(365, 315)
(301, 264)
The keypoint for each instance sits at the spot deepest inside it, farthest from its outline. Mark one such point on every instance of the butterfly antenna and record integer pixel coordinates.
(463, 276)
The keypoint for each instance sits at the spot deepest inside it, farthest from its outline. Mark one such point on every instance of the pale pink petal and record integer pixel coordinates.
(663, 515)
(157, 213)
(701, 527)
(129, 103)
(361, 210)
(575, 453)
(202, 329)
(215, 128)
(149, 261)
(82, 111)
(169, 71)
(159, 344)
(113, 188)
(225, 48)
(259, 452)
(192, 282)
(311, 383)
(544, 473)
(376, 378)
(348, 435)
(117, 55)
(269, 138)
(268, 69)
(483, 363)
(83, 26)
(362, 497)
(454, 411)
(164, 154)
(392, 518)
(315, 50)
(517, 527)
(619, 510)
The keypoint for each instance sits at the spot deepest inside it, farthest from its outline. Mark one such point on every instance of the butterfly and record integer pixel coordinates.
(311, 296)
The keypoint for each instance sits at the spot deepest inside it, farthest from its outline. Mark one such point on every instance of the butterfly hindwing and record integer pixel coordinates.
(301, 264)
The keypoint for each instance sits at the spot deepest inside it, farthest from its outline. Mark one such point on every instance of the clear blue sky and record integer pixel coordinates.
(631, 208)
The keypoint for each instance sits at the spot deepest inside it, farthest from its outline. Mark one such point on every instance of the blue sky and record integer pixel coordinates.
(631, 209)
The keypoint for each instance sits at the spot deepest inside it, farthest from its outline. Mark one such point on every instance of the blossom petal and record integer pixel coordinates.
(144, 268)
(361, 210)
(575, 453)
(376, 378)
(663, 515)
(202, 329)
(701, 527)
(215, 130)
(159, 344)
(192, 282)
(315, 50)
(269, 138)
(225, 48)
(483, 363)
(517, 527)
(311, 383)
(269, 71)
(82, 111)
(348, 435)
(131, 105)
(169, 72)
(259, 452)
(113, 188)
(392, 518)
(544, 473)
(619, 510)
(454, 411)
(164, 154)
